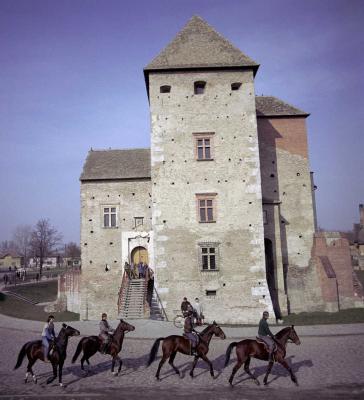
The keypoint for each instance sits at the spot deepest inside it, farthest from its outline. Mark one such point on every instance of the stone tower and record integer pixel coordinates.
(207, 219)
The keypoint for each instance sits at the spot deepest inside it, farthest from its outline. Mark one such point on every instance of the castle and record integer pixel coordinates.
(221, 206)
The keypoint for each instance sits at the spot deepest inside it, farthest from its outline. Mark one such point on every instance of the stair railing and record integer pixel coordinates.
(160, 304)
(145, 301)
(123, 288)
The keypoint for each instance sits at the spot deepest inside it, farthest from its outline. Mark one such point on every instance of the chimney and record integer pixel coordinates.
(361, 214)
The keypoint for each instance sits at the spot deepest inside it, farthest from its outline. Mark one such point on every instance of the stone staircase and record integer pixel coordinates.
(132, 300)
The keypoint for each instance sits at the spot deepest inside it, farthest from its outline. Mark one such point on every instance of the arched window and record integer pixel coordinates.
(199, 87)
(165, 89)
(235, 85)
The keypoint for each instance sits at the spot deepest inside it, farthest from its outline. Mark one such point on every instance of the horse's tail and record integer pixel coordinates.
(154, 351)
(21, 356)
(228, 352)
(78, 350)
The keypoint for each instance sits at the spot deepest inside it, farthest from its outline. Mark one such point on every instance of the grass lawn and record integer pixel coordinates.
(19, 309)
(39, 292)
(349, 316)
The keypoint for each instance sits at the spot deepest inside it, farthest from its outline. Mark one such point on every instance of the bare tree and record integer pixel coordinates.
(22, 238)
(44, 239)
(72, 250)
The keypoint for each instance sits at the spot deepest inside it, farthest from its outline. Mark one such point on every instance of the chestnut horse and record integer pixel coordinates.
(174, 343)
(91, 344)
(34, 351)
(252, 348)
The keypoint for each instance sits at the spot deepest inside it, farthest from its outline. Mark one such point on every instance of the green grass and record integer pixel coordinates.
(39, 292)
(349, 316)
(13, 307)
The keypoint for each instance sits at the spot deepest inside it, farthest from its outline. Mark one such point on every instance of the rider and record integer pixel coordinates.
(105, 333)
(48, 335)
(189, 331)
(265, 334)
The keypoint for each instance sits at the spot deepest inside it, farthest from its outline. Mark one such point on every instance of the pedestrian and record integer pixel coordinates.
(265, 334)
(140, 270)
(48, 335)
(135, 271)
(150, 285)
(184, 306)
(127, 269)
(198, 309)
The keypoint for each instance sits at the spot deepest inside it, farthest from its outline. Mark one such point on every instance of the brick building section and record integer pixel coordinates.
(332, 254)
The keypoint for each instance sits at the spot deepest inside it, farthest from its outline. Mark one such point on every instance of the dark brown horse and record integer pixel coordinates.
(90, 345)
(174, 343)
(34, 351)
(252, 348)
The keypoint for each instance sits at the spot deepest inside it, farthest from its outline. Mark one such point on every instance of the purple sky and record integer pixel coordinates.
(71, 78)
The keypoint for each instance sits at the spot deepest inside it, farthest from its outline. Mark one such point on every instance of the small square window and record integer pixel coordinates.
(210, 293)
(235, 86)
(138, 221)
(199, 87)
(165, 89)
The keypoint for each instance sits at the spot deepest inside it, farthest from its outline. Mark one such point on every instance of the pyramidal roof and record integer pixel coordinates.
(198, 45)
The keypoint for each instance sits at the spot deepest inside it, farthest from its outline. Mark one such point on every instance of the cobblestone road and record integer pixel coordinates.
(326, 367)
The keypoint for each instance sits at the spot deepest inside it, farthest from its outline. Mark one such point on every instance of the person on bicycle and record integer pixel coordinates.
(184, 306)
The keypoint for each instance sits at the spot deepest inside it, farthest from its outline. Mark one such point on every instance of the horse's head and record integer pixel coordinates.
(293, 336)
(124, 326)
(69, 331)
(217, 331)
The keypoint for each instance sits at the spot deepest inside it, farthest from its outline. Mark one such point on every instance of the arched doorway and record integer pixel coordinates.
(139, 254)
(271, 276)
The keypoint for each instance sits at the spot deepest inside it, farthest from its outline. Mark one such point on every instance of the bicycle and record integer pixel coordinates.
(178, 321)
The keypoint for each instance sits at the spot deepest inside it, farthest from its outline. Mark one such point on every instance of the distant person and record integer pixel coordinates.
(48, 335)
(266, 335)
(127, 269)
(198, 309)
(185, 305)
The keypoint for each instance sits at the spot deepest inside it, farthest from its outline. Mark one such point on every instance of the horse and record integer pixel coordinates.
(248, 348)
(174, 343)
(34, 351)
(91, 344)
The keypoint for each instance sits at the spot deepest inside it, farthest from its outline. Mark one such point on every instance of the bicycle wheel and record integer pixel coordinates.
(178, 321)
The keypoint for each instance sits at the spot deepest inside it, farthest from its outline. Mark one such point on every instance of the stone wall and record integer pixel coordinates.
(104, 246)
(233, 176)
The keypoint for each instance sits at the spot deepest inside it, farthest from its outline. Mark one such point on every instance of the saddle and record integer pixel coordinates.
(196, 335)
(261, 341)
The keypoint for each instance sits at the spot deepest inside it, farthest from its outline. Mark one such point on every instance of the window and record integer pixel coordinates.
(235, 85)
(210, 293)
(265, 217)
(165, 89)
(110, 217)
(199, 87)
(206, 207)
(203, 146)
(208, 256)
(138, 221)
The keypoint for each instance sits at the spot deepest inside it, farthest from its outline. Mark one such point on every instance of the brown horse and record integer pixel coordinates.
(34, 351)
(174, 343)
(252, 348)
(91, 344)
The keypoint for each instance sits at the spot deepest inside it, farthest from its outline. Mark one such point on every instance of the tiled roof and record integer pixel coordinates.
(269, 106)
(198, 45)
(116, 164)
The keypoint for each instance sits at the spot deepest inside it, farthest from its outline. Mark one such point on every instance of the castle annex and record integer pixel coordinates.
(221, 206)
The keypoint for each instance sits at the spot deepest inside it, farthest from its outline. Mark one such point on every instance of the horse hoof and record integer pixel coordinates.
(115, 373)
(61, 385)
(257, 382)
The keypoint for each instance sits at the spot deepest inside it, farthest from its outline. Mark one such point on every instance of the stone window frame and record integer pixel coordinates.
(206, 197)
(198, 136)
(136, 219)
(216, 254)
(110, 213)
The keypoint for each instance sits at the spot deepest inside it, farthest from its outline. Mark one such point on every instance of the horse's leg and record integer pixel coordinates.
(113, 364)
(194, 365)
(203, 356)
(120, 364)
(285, 365)
(52, 378)
(171, 359)
(60, 370)
(82, 361)
(237, 366)
(162, 361)
(247, 370)
(270, 365)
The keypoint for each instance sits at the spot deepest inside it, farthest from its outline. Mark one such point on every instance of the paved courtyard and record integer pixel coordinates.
(328, 364)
